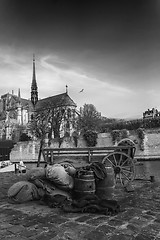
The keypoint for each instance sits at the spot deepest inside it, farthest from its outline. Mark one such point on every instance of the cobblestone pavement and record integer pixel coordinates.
(139, 218)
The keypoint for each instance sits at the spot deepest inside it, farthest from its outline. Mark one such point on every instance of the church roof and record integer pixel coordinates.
(2, 116)
(49, 102)
(55, 101)
(25, 102)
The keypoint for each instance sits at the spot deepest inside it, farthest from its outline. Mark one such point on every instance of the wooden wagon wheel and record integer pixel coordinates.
(123, 165)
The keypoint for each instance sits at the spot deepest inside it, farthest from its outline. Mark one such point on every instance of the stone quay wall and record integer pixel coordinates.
(28, 151)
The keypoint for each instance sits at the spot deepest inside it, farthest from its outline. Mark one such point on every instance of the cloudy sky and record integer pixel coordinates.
(109, 48)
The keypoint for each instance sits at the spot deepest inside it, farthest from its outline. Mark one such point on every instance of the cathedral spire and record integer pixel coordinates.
(34, 89)
(34, 72)
(19, 95)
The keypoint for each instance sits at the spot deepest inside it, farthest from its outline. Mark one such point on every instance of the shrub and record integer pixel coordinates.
(24, 137)
(116, 134)
(124, 133)
(140, 133)
(141, 136)
(91, 138)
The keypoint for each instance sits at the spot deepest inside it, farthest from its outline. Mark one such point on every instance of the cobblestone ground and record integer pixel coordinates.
(139, 218)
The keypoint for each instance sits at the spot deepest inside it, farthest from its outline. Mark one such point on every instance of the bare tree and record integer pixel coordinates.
(39, 128)
(47, 122)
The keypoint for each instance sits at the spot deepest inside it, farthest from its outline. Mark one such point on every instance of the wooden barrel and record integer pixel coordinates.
(84, 184)
(105, 187)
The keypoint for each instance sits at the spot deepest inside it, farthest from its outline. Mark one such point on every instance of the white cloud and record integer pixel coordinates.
(53, 73)
(80, 78)
(105, 96)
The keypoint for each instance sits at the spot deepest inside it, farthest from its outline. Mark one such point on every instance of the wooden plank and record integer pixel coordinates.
(52, 154)
(88, 148)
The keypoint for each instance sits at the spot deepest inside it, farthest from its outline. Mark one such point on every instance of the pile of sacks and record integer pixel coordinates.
(54, 179)
(54, 186)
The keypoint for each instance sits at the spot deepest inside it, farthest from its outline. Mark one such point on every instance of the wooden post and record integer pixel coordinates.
(89, 156)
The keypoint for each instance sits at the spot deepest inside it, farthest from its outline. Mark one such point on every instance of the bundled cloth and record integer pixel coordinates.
(50, 181)
(97, 168)
(24, 191)
(56, 200)
(50, 190)
(59, 176)
(37, 172)
(92, 204)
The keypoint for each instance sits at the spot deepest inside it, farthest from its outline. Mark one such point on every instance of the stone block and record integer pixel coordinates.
(16, 229)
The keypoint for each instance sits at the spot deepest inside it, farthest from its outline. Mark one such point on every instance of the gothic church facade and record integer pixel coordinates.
(16, 111)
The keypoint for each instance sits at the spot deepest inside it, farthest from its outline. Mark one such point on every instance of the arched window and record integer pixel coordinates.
(62, 111)
(4, 104)
(67, 124)
(73, 113)
(68, 112)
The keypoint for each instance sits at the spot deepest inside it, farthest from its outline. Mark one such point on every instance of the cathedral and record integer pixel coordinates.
(17, 112)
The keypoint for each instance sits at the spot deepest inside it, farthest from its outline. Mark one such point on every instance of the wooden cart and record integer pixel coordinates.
(120, 158)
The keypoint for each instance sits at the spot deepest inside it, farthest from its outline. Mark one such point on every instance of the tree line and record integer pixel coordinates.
(130, 125)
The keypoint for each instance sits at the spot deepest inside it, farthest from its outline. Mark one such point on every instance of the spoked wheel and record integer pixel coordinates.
(123, 165)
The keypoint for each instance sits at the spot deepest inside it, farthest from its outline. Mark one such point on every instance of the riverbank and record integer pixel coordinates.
(139, 218)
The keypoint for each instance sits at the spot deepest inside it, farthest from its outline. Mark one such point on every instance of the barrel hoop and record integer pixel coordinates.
(105, 188)
(84, 180)
(85, 191)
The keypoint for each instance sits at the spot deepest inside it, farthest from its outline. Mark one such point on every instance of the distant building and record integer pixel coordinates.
(151, 113)
(17, 111)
